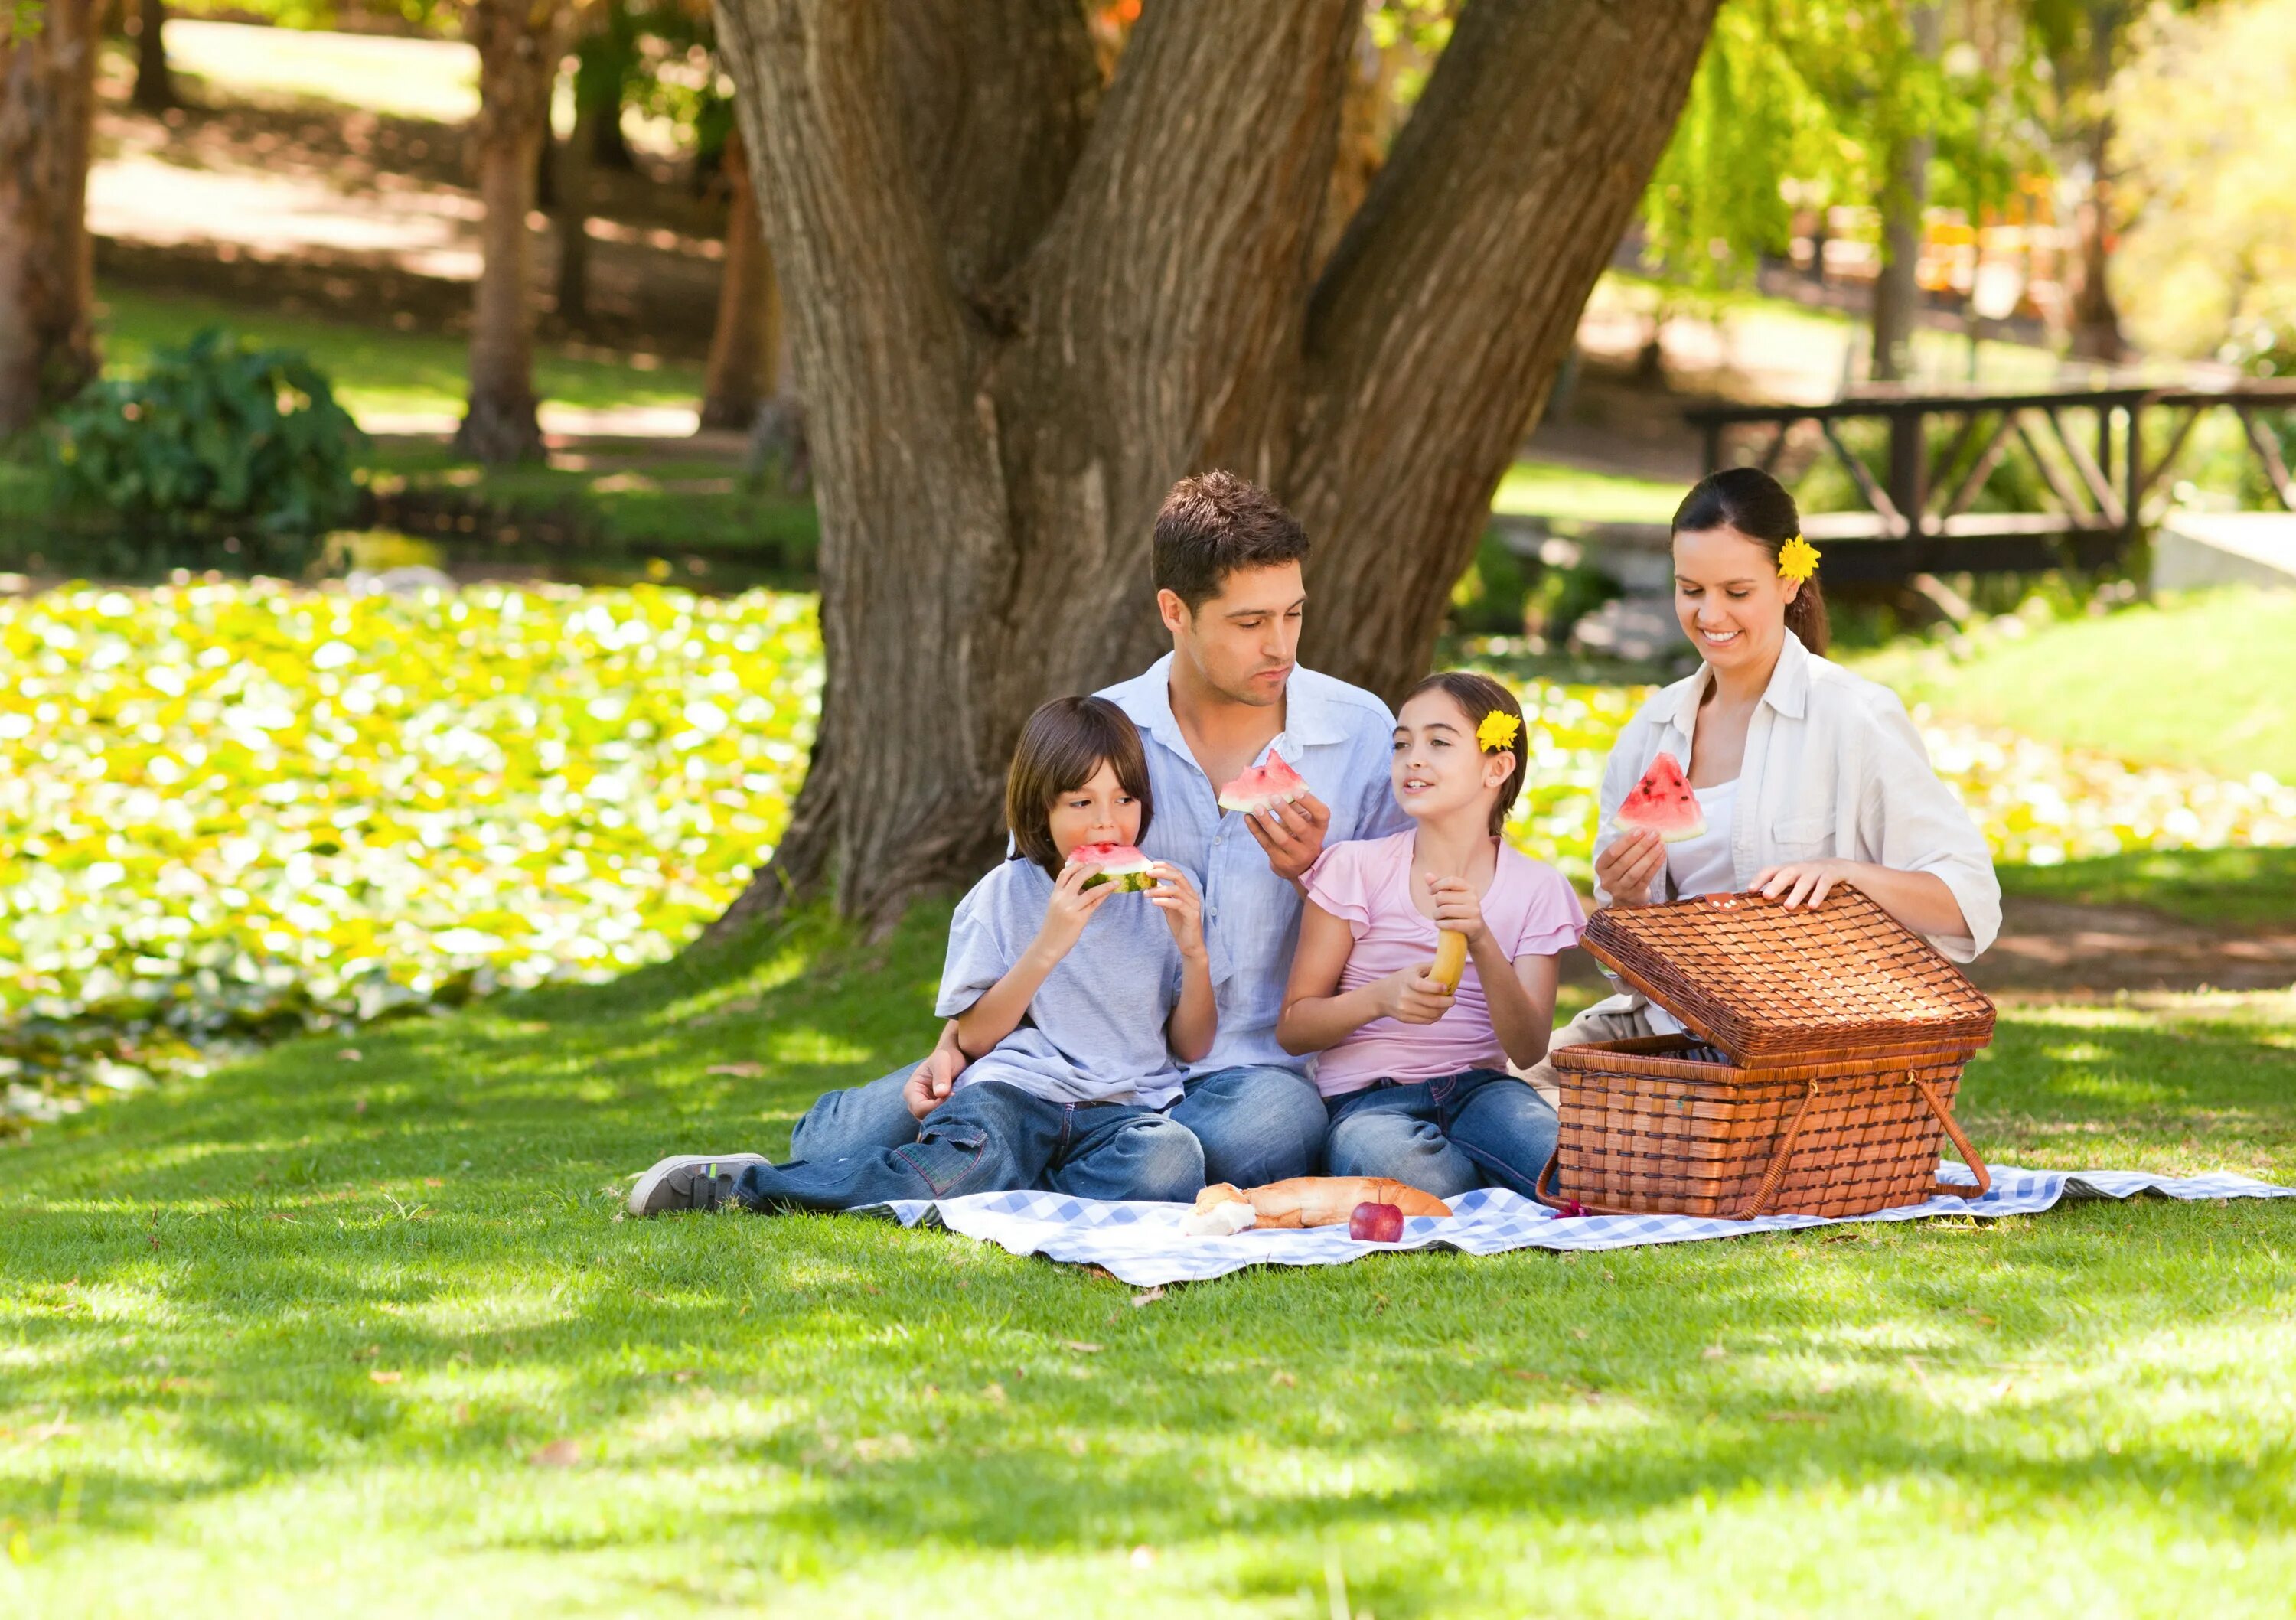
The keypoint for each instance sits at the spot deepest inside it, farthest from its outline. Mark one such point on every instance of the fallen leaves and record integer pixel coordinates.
(739, 1071)
(561, 1453)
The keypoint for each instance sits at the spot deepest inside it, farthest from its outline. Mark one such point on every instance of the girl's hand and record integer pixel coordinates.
(1458, 909)
(1804, 882)
(1630, 865)
(1410, 997)
(1183, 908)
(1070, 907)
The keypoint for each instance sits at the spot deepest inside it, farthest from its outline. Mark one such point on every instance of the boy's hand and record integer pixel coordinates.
(1458, 909)
(931, 1082)
(1292, 835)
(1070, 907)
(1409, 997)
(1630, 865)
(1183, 908)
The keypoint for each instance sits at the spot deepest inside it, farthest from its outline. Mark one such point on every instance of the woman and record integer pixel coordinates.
(1809, 775)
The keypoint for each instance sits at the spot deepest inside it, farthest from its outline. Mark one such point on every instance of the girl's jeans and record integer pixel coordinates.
(1483, 1128)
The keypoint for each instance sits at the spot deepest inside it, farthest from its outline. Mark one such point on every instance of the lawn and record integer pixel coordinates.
(2239, 889)
(374, 369)
(2201, 681)
(331, 1331)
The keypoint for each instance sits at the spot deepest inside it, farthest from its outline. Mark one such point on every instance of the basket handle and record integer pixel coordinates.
(1954, 1190)
(1775, 1176)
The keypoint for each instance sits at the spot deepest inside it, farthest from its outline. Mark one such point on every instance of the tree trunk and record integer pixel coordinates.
(745, 345)
(570, 218)
(1897, 291)
(519, 44)
(2096, 319)
(1014, 332)
(155, 87)
(47, 106)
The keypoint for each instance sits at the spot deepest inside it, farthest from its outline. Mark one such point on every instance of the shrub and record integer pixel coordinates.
(218, 445)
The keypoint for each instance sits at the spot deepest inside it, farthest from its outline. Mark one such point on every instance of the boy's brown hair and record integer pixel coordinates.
(1479, 697)
(1214, 524)
(1061, 747)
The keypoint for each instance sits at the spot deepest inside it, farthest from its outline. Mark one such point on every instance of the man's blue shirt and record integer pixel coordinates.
(1339, 737)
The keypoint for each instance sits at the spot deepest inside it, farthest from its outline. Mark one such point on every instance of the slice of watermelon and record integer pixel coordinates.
(1663, 803)
(1120, 864)
(1262, 787)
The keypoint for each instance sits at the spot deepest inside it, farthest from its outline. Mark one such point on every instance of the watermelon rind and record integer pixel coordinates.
(1127, 872)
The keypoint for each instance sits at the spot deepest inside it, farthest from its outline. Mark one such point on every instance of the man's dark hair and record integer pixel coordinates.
(1214, 524)
(1062, 748)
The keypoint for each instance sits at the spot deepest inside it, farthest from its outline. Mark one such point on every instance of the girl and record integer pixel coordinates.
(1413, 1075)
(1807, 775)
(1071, 1002)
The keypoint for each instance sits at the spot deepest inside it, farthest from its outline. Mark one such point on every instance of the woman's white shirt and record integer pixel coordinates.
(1834, 768)
(1702, 865)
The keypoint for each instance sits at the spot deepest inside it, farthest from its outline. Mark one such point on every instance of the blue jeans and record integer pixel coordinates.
(993, 1138)
(1257, 1124)
(1481, 1128)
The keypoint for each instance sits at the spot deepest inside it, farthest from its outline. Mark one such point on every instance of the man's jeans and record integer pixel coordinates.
(1257, 1124)
(993, 1138)
(1481, 1128)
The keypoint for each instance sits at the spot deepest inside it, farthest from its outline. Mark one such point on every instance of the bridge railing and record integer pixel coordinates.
(2105, 487)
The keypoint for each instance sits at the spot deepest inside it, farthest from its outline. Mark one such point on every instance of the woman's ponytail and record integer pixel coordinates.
(1757, 506)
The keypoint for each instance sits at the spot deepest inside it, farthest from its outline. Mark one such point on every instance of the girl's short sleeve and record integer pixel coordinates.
(1341, 882)
(1551, 919)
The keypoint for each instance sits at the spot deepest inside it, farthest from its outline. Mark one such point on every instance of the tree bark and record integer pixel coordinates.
(2096, 333)
(571, 217)
(519, 44)
(47, 106)
(1008, 358)
(1897, 291)
(155, 87)
(745, 345)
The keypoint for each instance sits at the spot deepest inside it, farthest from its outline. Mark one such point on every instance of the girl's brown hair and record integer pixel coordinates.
(1478, 698)
(1757, 506)
(1061, 747)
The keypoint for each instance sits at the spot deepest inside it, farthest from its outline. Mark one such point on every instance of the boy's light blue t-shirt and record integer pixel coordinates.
(1095, 1032)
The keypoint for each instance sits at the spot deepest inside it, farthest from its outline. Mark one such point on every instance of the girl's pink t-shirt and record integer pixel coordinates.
(1531, 909)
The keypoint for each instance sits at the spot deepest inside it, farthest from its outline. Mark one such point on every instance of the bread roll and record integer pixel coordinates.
(1319, 1200)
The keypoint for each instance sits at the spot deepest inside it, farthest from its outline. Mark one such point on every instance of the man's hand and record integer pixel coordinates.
(1292, 835)
(930, 1084)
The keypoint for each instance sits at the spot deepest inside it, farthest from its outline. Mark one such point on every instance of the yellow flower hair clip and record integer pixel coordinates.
(1497, 734)
(1796, 559)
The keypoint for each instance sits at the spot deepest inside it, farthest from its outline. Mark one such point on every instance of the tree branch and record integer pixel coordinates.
(1460, 281)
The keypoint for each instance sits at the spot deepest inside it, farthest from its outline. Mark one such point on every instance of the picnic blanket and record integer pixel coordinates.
(1142, 1243)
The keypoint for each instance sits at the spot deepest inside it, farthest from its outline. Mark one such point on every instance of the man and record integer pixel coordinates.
(1227, 560)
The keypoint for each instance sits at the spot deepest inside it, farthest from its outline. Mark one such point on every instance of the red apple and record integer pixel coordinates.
(1375, 1223)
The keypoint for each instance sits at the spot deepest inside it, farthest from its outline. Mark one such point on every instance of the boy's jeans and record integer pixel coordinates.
(1257, 1124)
(991, 1137)
(1481, 1128)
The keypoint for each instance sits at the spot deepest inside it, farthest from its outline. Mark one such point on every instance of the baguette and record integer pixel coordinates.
(1319, 1200)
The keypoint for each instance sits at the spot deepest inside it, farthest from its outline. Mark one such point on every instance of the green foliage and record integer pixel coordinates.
(1490, 598)
(333, 1328)
(218, 442)
(1819, 97)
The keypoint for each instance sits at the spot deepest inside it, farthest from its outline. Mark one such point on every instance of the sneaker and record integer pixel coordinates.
(690, 1181)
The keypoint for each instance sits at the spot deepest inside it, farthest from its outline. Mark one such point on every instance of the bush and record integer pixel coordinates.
(218, 447)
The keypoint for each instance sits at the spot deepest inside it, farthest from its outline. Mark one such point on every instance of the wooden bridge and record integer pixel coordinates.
(2102, 454)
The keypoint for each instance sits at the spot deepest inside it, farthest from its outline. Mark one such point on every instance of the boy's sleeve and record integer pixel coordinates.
(981, 949)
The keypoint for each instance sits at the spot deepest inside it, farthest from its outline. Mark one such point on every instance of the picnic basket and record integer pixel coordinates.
(1845, 1035)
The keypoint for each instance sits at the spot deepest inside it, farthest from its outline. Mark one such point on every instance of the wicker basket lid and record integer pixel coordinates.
(1760, 981)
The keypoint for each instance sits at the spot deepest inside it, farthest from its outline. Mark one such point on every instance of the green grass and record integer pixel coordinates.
(2241, 888)
(315, 1330)
(375, 369)
(2201, 681)
(1550, 489)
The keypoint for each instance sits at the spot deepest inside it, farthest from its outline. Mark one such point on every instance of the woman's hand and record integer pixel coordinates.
(1070, 907)
(1804, 882)
(1183, 908)
(1410, 997)
(1630, 865)
(1458, 910)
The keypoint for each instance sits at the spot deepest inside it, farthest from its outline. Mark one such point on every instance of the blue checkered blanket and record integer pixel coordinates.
(1142, 1243)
